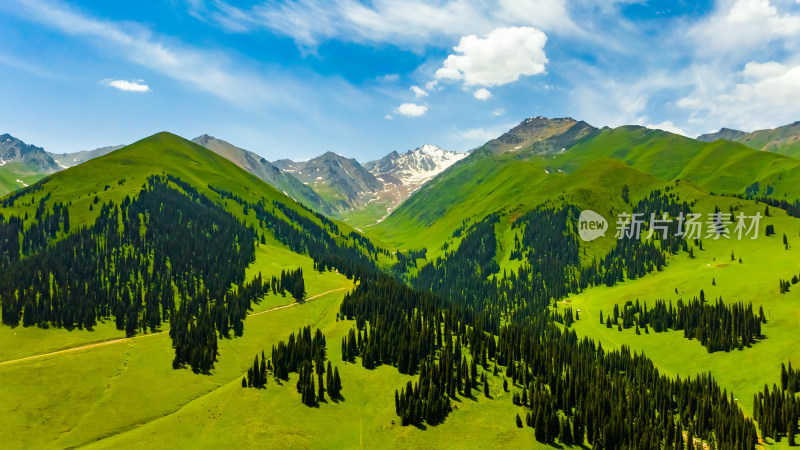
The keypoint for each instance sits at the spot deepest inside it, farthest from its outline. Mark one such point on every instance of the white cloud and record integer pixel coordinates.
(482, 94)
(604, 100)
(477, 136)
(762, 95)
(411, 109)
(769, 69)
(739, 26)
(388, 117)
(399, 22)
(501, 58)
(389, 77)
(419, 92)
(128, 86)
(546, 14)
(203, 70)
(667, 126)
(498, 112)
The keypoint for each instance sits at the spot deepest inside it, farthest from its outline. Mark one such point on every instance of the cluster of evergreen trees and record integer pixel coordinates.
(305, 354)
(406, 261)
(550, 252)
(751, 193)
(786, 285)
(718, 326)
(409, 325)
(777, 410)
(292, 280)
(426, 400)
(617, 398)
(462, 273)
(790, 378)
(258, 374)
(128, 264)
(544, 418)
(21, 237)
(131, 265)
(321, 241)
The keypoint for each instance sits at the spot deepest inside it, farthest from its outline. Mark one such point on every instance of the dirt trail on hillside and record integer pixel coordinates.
(145, 336)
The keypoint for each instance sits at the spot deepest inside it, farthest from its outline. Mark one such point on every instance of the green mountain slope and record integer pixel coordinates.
(16, 175)
(166, 231)
(124, 171)
(22, 164)
(784, 140)
(341, 181)
(73, 159)
(261, 168)
(592, 168)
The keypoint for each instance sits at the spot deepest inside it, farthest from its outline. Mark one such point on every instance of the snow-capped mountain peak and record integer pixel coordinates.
(415, 167)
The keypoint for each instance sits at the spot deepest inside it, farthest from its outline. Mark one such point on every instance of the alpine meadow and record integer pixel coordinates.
(320, 275)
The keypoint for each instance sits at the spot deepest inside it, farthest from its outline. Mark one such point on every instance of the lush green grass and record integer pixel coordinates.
(597, 185)
(128, 395)
(12, 173)
(73, 398)
(161, 153)
(275, 417)
(366, 217)
(783, 140)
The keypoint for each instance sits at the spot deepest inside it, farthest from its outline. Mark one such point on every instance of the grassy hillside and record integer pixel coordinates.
(124, 171)
(764, 262)
(63, 388)
(17, 175)
(783, 140)
(590, 174)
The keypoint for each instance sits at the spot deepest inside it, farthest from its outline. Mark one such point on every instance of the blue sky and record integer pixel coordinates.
(296, 78)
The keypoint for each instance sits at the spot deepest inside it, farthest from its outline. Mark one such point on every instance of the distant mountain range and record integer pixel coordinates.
(22, 164)
(262, 168)
(66, 160)
(783, 140)
(415, 167)
(403, 174)
(329, 183)
(341, 181)
(376, 187)
(12, 150)
(365, 194)
(564, 160)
